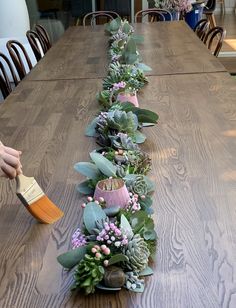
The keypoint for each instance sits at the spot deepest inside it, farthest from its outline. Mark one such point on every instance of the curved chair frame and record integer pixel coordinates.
(208, 10)
(159, 13)
(45, 40)
(16, 57)
(34, 39)
(201, 28)
(96, 14)
(217, 32)
(5, 84)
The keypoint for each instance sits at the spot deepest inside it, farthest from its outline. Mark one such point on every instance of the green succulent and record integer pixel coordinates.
(111, 123)
(122, 121)
(105, 98)
(133, 76)
(138, 185)
(88, 274)
(138, 253)
(124, 142)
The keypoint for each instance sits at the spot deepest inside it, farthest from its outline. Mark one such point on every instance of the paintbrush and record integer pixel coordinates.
(36, 202)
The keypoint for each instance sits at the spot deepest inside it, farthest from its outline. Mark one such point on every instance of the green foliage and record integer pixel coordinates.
(88, 169)
(103, 164)
(117, 258)
(93, 214)
(71, 258)
(88, 274)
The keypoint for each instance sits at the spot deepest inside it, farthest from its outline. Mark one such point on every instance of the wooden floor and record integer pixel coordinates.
(228, 21)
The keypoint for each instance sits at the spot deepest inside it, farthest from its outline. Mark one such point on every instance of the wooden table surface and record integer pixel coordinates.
(171, 48)
(193, 151)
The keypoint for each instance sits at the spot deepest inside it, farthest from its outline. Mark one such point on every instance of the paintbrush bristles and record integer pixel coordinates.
(45, 210)
(35, 201)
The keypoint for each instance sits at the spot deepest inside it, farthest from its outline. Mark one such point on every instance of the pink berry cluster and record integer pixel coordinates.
(112, 235)
(101, 201)
(133, 204)
(78, 239)
(101, 252)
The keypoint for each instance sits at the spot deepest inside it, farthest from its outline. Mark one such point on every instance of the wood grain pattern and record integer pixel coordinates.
(169, 47)
(193, 151)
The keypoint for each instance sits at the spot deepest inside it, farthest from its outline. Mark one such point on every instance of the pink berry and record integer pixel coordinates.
(107, 251)
(101, 199)
(90, 199)
(94, 250)
(97, 247)
(98, 255)
(103, 247)
(143, 197)
(106, 262)
(96, 201)
(83, 205)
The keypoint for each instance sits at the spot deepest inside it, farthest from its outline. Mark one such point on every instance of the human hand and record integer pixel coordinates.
(10, 165)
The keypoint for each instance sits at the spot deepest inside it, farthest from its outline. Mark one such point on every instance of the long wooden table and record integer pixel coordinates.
(170, 47)
(193, 151)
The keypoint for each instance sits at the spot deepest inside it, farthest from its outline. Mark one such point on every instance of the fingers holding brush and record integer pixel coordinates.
(10, 165)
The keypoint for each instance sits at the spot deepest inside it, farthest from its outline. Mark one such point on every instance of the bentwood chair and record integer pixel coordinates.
(155, 14)
(208, 10)
(97, 14)
(45, 40)
(5, 83)
(201, 28)
(35, 43)
(214, 39)
(16, 51)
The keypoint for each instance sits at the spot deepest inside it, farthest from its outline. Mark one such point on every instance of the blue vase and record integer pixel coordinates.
(194, 16)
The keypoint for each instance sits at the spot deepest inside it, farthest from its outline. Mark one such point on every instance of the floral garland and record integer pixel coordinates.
(117, 240)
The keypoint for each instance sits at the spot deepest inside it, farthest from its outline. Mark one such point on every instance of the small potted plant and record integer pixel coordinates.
(125, 93)
(113, 191)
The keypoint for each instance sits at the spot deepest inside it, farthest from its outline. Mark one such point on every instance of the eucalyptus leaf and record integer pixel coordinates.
(88, 169)
(73, 257)
(118, 258)
(144, 67)
(146, 272)
(90, 129)
(84, 188)
(150, 235)
(139, 39)
(93, 213)
(139, 137)
(103, 164)
(126, 227)
(112, 211)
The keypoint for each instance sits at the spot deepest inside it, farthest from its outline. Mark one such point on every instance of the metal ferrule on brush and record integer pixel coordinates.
(31, 194)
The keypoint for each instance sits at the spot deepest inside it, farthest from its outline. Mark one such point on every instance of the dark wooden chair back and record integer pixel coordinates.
(13, 47)
(215, 37)
(45, 39)
(34, 41)
(155, 14)
(201, 28)
(94, 15)
(5, 85)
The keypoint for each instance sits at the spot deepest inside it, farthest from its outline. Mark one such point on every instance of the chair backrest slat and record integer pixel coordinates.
(201, 28)
(34, 41)
(94, 15)
(45, 40)
(156, 15)
(5, 84)
(216, 34)
(13, 47)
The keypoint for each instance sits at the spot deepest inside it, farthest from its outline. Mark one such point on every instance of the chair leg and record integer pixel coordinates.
(211, 19)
